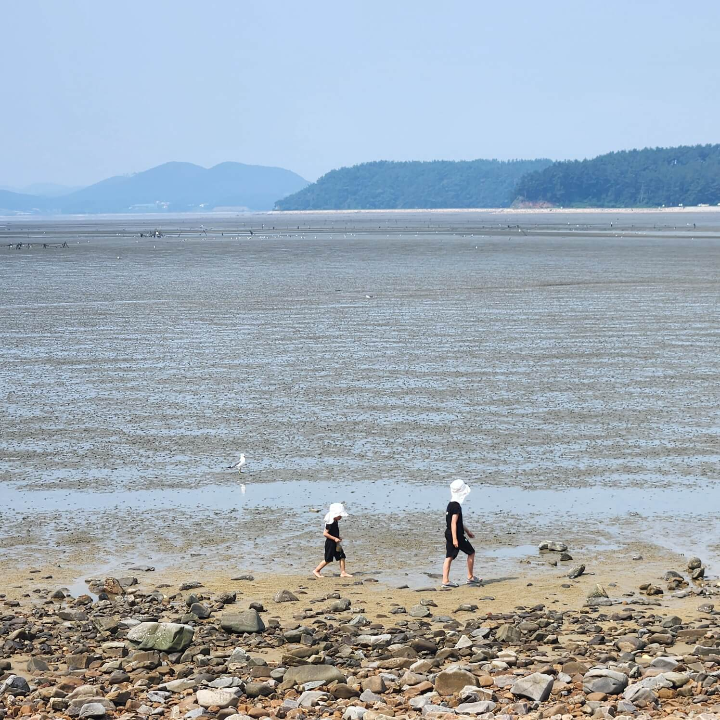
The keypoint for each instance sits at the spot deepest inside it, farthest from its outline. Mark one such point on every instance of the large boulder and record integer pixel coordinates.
(535, 687)
(301, 674)
(449, 682)
(248, 621)
(167, 637)
(602, 680)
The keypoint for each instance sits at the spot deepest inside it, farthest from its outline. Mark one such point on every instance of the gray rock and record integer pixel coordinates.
(76, 706)
(168, 637)
(200, 611)
(284, 596)
(382, 640)
(706, 651)
(259, 689)
(14, 685)
(553, 546)
(475, 708)
(368, 696)
(419, 611)
(640, 696)
(180, 685)
(508, 633)
(576, 572)
(311, 698)
(248, 621)
(302, 674)
(238, 657)
(36, 664)
(158, 696)
(626, 707)
(220, 698)
(359, 621)
(449, 682)
(505, 681)
(92, 710)
(598, 602)
(605, 681)
(106, 624)
(191, 585)
(664, 663)
(223, 683)
(354, 713)
(694, 563)
(340, 605)
(598, 591)
(535, 687)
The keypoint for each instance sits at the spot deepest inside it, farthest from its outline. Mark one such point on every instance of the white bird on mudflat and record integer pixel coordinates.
(239, 464)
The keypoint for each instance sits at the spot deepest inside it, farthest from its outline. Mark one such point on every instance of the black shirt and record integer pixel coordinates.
(454, 508)
(333, 529)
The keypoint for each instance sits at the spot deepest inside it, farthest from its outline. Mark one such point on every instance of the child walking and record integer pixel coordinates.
(333, 548)
(455, 539)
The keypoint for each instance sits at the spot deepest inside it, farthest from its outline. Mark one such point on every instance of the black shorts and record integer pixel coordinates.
(331, 551)
(452, 552)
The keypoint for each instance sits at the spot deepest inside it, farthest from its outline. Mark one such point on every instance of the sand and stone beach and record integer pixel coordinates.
(563, 364)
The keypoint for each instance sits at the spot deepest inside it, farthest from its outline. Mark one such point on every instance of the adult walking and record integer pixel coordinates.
(455, 531)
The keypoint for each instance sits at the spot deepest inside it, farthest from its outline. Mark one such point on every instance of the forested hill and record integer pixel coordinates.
(436, 184)
(635, 178)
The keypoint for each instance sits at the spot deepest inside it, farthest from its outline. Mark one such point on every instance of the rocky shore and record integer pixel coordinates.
(185, 652)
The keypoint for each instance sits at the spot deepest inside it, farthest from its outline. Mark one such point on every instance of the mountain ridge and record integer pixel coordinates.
(172, 187)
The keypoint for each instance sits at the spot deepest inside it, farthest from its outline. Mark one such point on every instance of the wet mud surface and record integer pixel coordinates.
(566, 371)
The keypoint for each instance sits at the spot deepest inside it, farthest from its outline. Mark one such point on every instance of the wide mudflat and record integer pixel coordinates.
(564, 365)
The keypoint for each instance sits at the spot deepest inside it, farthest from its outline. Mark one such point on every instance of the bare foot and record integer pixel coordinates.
(345, 575)
(317, 574)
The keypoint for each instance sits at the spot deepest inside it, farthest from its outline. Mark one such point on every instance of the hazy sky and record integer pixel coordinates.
(92, 89)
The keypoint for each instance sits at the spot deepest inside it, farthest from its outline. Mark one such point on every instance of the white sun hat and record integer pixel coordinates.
(458, 491)
(335, 510)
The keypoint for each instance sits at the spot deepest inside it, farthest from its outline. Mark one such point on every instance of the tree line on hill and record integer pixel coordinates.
(652, 177)
(437, 184)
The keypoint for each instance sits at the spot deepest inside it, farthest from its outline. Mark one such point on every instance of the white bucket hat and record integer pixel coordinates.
(458, 491)
(335, 510)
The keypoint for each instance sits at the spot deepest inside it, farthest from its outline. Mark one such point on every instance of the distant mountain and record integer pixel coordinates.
(172, 187)
(436, 184)
(179, 187)
(19, 202)
(687, 175)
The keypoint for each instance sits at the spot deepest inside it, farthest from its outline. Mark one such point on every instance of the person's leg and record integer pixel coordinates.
(446, 570)
(316, 571)
(342, 569)
(471, 565)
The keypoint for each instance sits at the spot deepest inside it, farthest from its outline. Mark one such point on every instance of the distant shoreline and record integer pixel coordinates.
(503, 211)
(389, 211)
